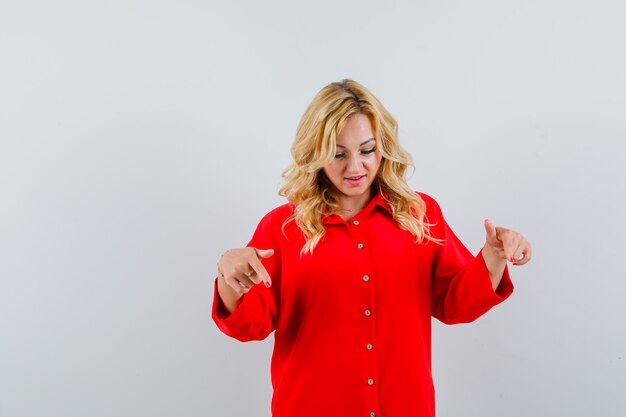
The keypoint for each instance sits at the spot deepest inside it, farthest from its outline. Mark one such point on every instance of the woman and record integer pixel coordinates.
(348, 272)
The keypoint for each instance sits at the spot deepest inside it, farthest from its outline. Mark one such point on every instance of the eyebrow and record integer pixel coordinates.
(363, 143)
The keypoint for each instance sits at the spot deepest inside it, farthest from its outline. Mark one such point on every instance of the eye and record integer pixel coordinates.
(368, 151)
(339, 155)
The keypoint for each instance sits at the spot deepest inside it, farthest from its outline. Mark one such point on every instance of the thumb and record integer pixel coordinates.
(264, 253)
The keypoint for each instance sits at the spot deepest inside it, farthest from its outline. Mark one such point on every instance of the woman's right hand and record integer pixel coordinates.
(240, 269)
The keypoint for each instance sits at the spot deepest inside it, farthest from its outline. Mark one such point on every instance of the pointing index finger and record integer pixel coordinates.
(260, 271)
(490, 228)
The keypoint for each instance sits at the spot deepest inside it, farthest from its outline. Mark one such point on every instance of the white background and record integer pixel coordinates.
(139, 140)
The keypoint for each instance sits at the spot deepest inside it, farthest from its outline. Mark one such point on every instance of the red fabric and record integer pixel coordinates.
(318, 307)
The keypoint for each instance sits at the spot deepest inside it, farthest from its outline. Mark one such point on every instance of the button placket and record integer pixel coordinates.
(359, 232)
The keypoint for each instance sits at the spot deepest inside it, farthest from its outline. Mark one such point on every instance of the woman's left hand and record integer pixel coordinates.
(508, 244)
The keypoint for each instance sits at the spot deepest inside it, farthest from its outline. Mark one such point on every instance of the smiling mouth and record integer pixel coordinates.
(355, 178)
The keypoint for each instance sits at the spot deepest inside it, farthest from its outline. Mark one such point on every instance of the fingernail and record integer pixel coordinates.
(511, 259)
(267, 284)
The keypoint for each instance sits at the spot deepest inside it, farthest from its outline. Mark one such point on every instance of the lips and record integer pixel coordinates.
(355, 180)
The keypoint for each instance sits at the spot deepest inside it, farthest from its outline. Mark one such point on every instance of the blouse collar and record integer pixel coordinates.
(377, 201)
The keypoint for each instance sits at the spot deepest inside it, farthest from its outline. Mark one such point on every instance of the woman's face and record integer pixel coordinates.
(356, 162)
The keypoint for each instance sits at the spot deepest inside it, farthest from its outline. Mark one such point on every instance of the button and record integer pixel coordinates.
(366, 278)
(369, 346)
(370, 381)
(372, 414)
(367, 313)
(360, 246)
(355, 222)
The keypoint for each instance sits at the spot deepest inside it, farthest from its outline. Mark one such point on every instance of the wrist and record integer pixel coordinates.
(229, 297)
(492, 258)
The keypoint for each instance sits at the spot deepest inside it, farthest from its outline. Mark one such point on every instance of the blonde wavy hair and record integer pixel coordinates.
(308, 188)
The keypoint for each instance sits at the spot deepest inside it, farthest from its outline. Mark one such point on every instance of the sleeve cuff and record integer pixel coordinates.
(222, 317)
(246, 322)
(504, 289)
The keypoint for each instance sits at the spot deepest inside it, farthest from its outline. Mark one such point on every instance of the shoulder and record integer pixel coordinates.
(270, 227)
(429, 201)
(426, 198)
(432, 209)
(278, 215)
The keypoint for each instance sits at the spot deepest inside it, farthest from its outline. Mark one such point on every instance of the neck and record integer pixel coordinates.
(352, 210)
(352, 205)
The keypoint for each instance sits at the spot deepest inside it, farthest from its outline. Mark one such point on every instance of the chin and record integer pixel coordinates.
(356, 192)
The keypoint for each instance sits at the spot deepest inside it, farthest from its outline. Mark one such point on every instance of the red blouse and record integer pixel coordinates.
(352, 322)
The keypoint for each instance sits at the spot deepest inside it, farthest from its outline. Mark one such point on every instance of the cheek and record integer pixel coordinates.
(373, 163)
(331, 170)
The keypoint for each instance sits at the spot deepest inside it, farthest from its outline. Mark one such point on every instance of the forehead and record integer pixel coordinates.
(356, 130)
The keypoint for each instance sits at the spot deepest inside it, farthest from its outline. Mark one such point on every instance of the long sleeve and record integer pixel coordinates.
(255, 317)
(461, 288)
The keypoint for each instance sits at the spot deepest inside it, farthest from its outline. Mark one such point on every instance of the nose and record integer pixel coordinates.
(354, 164)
